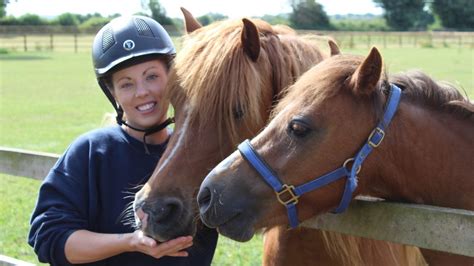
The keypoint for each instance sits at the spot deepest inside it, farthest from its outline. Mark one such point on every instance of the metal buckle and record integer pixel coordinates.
(348, 161)
(379, 131)
(293, 198)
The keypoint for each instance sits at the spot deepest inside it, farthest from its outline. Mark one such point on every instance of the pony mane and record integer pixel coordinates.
(422, 89)
(217, 79)
(417, 87)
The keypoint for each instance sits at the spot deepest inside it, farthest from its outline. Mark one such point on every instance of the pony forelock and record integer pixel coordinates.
(217, 79)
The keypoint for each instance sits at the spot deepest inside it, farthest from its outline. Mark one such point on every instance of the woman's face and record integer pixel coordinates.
(139, 90)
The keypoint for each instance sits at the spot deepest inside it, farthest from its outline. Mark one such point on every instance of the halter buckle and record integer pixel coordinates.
(376, 142)
(292, 197)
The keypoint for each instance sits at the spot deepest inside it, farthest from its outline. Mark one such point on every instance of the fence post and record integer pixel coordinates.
(51, 42)
(400, 40)
(75, 43)
(25, 43)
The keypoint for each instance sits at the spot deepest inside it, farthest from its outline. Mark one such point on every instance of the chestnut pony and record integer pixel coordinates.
(222, 86)
(424, 155)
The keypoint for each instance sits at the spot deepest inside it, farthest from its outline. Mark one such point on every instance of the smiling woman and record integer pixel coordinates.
(139, 90)
(85, 195)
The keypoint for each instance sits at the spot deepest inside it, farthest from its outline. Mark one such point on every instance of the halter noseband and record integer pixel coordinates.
(288, 194)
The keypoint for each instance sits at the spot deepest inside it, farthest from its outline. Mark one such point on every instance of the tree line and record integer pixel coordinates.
(400, 15)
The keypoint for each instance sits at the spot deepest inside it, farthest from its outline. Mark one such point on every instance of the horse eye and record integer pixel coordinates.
(298, 128)
(238, 113)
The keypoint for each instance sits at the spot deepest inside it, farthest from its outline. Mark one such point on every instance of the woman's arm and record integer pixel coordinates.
(84, 246)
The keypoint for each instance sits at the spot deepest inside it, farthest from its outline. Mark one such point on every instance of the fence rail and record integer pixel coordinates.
(70, 40)
(52, 38)
(8, 261)
(431, 227)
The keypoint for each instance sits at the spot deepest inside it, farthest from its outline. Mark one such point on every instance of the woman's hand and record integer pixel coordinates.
(149, 246)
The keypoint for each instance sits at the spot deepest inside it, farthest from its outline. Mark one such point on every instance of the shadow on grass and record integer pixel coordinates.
(5, 57)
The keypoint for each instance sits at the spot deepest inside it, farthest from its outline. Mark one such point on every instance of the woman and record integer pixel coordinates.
(79, 213)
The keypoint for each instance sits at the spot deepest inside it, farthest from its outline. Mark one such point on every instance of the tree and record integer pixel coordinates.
(405, 14)
(158, 12)
(3, 6)
(210, 17)
(94, 23)
(277, 19)
(9, 20)
(67, 19)
(457, 14)
(307, 14)
(204, 20)
(31, 19)
(84, 18)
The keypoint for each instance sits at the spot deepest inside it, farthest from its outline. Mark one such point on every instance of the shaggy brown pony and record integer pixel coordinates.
(426, 156)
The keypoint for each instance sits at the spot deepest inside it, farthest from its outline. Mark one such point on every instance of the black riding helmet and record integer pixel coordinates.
(126, 41)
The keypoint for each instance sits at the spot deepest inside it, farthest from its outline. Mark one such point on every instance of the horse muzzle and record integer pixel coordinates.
(163, 218)
(222, 208)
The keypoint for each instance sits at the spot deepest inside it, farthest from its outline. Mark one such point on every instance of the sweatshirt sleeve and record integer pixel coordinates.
(62, 205)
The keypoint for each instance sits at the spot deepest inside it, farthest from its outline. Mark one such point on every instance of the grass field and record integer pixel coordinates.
(48, 99)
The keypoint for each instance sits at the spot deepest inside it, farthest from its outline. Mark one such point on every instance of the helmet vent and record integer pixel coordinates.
(107, 39)
(143, 28)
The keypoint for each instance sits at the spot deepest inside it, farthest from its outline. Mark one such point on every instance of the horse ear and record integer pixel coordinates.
(367, 75)
(250, 39)
(190, 23)
(334, 48)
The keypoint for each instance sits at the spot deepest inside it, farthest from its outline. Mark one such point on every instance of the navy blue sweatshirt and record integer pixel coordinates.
(89, 187)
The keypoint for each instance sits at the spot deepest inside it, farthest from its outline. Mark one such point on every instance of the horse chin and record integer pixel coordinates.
(237, 234)
(237, 229)
(163, 233)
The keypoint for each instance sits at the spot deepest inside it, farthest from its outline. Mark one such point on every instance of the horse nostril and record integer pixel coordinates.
(204, 199)
(167, 211)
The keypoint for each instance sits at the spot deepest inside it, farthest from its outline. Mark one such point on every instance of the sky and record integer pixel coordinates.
(232, 9)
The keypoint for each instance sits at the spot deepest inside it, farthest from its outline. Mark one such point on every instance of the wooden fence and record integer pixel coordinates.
(430, 227)
(27, 39)
(52, 38)
(422, 39)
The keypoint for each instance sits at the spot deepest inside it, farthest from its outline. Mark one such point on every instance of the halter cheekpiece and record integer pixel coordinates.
(288, 194)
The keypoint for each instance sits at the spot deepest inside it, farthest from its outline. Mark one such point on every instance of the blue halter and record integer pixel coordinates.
(288, 194)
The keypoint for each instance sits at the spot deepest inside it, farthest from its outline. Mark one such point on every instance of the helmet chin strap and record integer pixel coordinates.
(147, 131)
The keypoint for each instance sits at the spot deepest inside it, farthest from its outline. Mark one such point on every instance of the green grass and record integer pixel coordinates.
(48, 99)
(17, 201)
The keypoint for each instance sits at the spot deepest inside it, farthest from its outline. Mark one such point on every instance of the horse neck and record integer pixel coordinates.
(426, 157)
